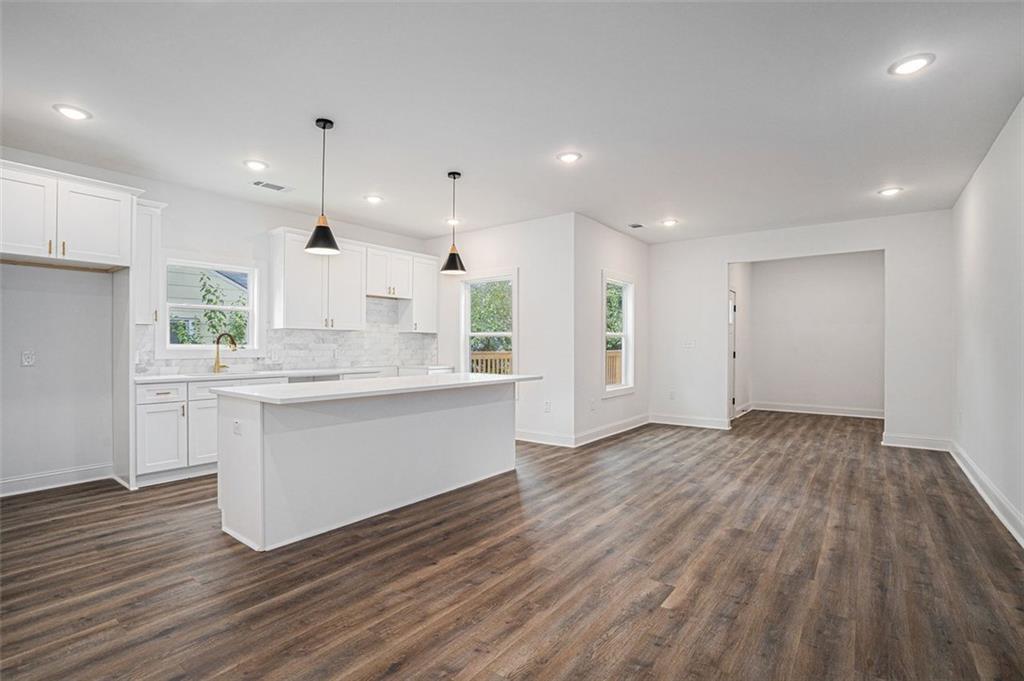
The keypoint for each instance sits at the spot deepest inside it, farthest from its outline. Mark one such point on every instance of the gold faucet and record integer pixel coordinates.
(217, 366)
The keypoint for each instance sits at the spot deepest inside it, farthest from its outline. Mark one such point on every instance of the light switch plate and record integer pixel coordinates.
(28, 358)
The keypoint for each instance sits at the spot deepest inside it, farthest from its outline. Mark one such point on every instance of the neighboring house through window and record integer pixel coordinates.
(203, 300)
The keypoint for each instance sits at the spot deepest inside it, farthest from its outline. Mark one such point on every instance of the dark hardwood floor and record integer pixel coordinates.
(792, 547)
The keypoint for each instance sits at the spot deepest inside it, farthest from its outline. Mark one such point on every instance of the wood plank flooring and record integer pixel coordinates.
(792, 547)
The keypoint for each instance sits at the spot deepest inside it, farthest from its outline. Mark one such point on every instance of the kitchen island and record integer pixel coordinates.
(299, 459)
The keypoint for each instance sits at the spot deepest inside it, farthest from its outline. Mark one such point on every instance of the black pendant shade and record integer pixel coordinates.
(454, 264)
(321, 241)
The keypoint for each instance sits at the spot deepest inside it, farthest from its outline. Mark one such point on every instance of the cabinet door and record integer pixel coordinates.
(28, 214)
(94, 224)
(304, 295)
(400, 275)
(202, 432)
(161, 437)
(424, 295)
(377, 272)
(346, 290)
(144, 279)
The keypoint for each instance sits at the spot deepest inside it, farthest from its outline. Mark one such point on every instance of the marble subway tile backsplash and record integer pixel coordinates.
(379, 345)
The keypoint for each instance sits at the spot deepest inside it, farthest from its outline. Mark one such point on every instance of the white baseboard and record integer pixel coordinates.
(824, 410)
(175, 475)
(1012, 518)
(692, 421)
(541, 438)
(34, 482)
(609, 430)
(912, 441)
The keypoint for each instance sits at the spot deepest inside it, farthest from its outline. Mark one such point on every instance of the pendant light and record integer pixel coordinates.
(321, 241)
(453, 265)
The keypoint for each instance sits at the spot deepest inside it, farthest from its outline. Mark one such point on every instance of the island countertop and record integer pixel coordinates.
(297, 393)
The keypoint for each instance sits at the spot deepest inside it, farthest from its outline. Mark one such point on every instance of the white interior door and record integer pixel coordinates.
(732, 354)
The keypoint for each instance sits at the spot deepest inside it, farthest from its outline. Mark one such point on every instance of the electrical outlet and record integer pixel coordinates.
(547, 407)
(28, 358)
(236, 427)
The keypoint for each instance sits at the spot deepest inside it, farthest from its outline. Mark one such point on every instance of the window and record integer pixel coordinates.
(618, 333)
(490, 312)
(203, 300)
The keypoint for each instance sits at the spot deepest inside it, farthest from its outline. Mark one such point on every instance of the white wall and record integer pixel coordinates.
(988, 224)
(689, 293)
(597, 247)
(818, 334)
(57, 414)
(739, 282)
(541, 251)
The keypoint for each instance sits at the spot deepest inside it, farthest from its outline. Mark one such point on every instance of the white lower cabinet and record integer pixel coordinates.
(202, 432)
(161, 437)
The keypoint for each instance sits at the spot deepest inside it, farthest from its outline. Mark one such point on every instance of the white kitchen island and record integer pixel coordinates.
(299, 459)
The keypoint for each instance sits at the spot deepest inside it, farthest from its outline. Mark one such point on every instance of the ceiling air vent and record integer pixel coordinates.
(636, 225)
(271, 186)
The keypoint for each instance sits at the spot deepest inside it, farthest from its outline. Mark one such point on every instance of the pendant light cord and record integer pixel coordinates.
(453, 211)
(323, 165)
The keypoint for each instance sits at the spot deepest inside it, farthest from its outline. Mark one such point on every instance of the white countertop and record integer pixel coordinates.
(296, 393)
(270, 373)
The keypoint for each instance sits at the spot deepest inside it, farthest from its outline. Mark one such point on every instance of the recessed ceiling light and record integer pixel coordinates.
(890, 191)
(569, 156)
(452, 222)
(669, 222)
(72, 112)
(373, 198)
(912, 64)
(256, 166)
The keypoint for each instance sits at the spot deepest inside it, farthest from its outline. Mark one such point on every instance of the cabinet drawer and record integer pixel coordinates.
(200, 390)
(160, 392)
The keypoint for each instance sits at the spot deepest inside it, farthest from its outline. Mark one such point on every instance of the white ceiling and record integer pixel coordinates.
(730, 117)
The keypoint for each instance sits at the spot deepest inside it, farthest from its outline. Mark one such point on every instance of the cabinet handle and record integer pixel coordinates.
(325, 322)
(162, 392)
(49, 247)
(183, 410)
(63, 247)
(415, 326)
(332, 323)
(154, 315)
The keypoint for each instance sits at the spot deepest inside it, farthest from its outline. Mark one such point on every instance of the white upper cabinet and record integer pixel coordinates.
(346, 287)
(388, 273)
(145, 261)
(420, 313)
(377, 272)
(28, 214)
(94, 224)
(298, 283)
(48, 215)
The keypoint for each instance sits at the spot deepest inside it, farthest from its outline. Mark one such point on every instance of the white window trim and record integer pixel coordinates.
(511, 273)
(163, 349)
(628, 332)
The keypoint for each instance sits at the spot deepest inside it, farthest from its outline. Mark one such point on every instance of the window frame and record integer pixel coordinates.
(164, 349)
(507, 274)
(628, 333)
